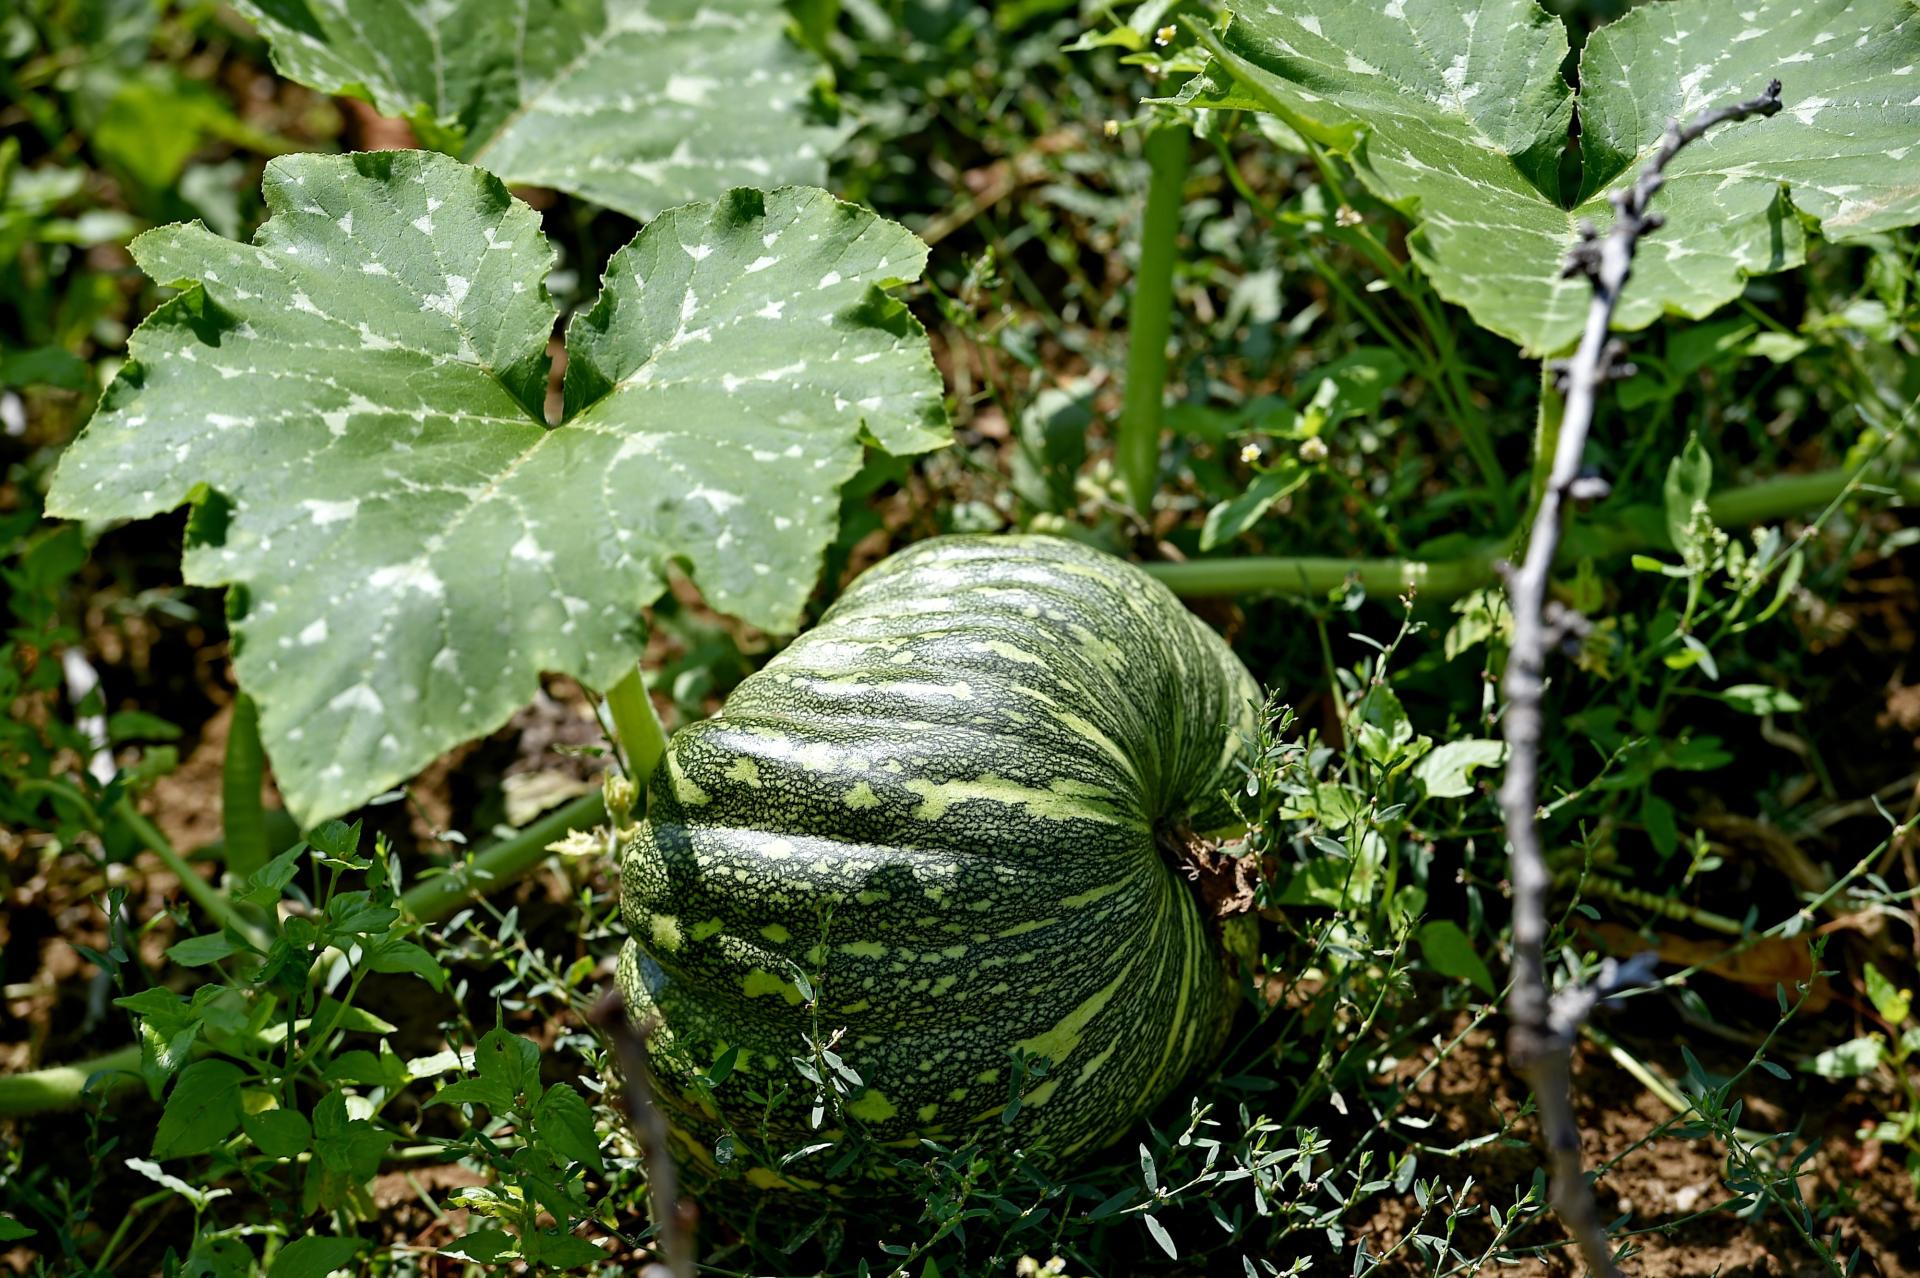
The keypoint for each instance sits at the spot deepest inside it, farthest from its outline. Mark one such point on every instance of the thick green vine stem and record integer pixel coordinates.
(1635, 529)
(642, 737)
(1306, 576)
(1150, 316)
(434, 899)
(1546, 434)
(62, 1086)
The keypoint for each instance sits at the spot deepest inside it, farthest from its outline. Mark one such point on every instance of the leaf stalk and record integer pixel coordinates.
(1150, 315)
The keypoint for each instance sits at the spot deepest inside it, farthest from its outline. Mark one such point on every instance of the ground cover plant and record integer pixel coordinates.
(412, 414)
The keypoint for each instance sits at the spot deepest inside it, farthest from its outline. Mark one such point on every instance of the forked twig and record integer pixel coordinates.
(675, 1216)
(1543, 1025)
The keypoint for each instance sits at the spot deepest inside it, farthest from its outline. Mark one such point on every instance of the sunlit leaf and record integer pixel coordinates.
(1457, 112)
(355, 401)
(1447, 772)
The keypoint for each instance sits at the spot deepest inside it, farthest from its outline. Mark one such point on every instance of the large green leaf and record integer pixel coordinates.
(635, 104)
(353, 403)
(1457, 112)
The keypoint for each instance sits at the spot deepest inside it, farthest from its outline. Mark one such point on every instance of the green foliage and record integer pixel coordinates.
(40, 788)
(1889, 1052)
(314, 1059)
(369, 610)
(38, 565)
(638, 105)
(275, 1070)
(1461, 117)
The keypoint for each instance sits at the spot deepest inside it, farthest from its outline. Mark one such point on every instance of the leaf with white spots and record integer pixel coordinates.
(638, 105)
(1457, 112)
(353, 405)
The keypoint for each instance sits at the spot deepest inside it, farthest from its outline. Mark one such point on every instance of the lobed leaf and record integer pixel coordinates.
(1456, 111)
(353, 405)
(638, 105)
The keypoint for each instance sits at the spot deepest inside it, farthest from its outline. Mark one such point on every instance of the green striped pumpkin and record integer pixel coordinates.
(939, 809)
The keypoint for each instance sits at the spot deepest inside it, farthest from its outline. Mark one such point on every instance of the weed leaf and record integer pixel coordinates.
(1447, 773)
(1450, 953)
(347, 1146)
(202, 1111)
(199, 951)
(564, 1122)
(1851, 1059)
(313, 1257)
(1229, 519)
(279, 1133)
(1161, 1236)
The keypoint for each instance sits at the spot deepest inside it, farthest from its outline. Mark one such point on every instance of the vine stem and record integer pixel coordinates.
(62, 1086)
(243, 818)
(642, 737)
(432, 900)
(643, 741)
(1306, 576)
(1636, 529)
(1543, 1025)
(1150, 316)
(1546, 437)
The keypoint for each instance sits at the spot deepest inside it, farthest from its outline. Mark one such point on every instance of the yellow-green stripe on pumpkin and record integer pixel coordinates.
(940, 806)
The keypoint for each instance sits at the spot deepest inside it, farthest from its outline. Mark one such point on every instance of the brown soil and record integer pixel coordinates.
(1659, 1183)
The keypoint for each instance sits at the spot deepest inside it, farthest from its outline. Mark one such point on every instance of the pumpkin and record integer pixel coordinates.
(933, 826)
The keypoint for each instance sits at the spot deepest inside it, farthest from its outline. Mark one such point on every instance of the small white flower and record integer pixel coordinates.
(1163, 37)
(1113, 128)
(1313, 449)
(1250, 454)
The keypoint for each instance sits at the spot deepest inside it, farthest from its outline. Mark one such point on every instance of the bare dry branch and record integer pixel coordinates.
(675, 1216)
(1543, 1025)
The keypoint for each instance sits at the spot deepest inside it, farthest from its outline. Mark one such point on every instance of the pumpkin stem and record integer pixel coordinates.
(1223, 882)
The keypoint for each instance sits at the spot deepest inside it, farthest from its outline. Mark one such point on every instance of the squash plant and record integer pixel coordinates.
(1458, 114)
(637, 105)
(923, 857)
(353, 405)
